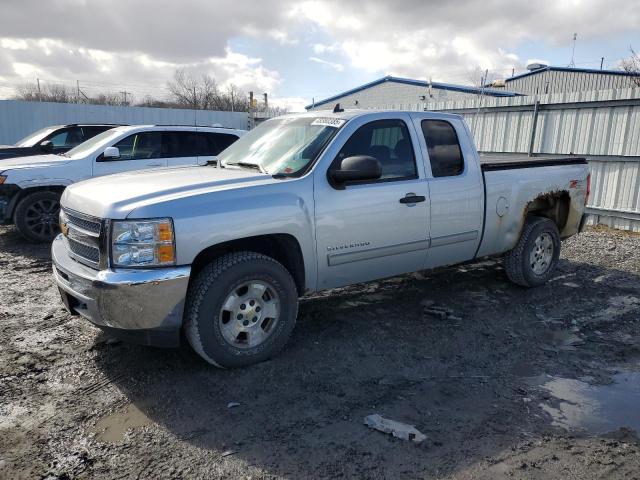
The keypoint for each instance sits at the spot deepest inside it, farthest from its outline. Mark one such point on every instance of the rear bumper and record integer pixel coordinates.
(140, 306)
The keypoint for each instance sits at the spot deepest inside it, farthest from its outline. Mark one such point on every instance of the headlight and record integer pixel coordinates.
(143, 243)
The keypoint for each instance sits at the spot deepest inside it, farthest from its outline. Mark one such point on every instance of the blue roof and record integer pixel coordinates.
(572, 69)
(418, 83)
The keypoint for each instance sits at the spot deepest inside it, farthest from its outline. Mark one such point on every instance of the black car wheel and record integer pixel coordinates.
(36, 216)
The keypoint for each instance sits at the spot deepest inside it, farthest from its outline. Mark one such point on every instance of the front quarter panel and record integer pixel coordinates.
(208, 219)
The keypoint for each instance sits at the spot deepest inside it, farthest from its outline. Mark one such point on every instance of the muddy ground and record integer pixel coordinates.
(541, 383)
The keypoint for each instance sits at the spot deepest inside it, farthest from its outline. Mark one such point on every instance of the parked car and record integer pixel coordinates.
(303, 203)
(55, 139)
(30, 187)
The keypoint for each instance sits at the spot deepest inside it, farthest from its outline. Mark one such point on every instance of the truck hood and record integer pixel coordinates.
(115, 196)
(35, 161)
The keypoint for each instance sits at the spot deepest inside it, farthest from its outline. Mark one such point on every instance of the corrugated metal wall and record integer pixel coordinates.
(18, 119)
(554, 81)
(603, 126)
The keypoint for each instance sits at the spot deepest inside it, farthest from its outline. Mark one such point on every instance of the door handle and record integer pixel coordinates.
(412, 198)
(154, 164)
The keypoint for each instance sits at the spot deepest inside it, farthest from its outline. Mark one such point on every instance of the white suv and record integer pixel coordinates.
(30, 187)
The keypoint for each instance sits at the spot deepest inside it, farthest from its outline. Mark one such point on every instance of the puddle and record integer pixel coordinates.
(113, 427)
(595, 409)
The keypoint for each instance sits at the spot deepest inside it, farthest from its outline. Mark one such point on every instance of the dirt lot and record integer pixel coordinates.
(518, 383)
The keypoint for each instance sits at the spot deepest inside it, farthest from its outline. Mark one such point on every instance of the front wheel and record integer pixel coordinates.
(241, 309)
(534, 258)
(36, 216)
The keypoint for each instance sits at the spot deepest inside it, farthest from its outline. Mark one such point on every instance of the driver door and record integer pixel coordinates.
(370, 230)
(137, 151)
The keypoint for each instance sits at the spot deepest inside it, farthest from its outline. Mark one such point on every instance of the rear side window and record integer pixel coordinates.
(444, 150)
(389, 142)
(93, 130)
(219, 141)
(66, 138)
(185, 144)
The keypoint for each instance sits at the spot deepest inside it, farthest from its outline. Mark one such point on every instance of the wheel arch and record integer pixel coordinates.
(282, 247)
(24, 192)
(552, 205)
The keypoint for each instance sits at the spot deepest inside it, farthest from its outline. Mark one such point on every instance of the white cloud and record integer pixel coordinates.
(336, 66)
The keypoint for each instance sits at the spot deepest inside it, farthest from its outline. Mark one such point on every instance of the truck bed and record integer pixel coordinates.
(522, 160)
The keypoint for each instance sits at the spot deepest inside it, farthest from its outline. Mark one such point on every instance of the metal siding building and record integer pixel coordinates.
(402, 91)
(18, 118)
(563, 79)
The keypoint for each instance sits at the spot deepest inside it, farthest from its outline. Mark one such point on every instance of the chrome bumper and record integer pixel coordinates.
(143, 306)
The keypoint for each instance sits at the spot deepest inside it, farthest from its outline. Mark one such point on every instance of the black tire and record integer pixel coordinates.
(36, 216)
(211, 287)
(517, 262)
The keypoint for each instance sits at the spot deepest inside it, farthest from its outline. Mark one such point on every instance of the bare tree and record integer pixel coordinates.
(202, 93)
(479, 77)
(45, 93)
(632, 65)
(189, 91)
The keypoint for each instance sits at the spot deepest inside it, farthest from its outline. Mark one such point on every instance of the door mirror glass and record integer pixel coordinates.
(111, 153)
(46, 146)
(356, 169)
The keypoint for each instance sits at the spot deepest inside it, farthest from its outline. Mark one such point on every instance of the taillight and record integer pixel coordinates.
(588, 192)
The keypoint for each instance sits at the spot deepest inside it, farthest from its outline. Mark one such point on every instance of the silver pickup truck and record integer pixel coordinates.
(302, 203)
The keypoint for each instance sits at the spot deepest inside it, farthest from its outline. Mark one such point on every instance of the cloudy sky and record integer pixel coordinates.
(299, 50)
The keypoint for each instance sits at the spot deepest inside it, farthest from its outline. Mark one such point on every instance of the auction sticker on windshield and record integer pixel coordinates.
(329, 122)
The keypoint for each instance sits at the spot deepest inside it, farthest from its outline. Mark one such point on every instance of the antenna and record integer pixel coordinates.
(572, 64)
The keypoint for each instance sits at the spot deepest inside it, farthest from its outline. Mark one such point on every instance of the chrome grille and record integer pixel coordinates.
(84, 237)
(85, 252)
(85, 223)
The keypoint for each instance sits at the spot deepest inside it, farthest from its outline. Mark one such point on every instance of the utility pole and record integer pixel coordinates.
(601, 62)
(572, 64)
(124, 94)
(77, 91)
(266, 102)
(39, 91)
(482, 82)
(195, 107)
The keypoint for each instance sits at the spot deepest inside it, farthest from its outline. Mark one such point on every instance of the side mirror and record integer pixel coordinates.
(110, 153)
(356, 169)
(46, 146)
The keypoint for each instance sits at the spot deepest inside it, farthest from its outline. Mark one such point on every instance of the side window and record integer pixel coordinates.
(444, 150)
(184, 144)
(389, 142)
(141, 146)
(219, 141)
(92, 130)
(67, 138)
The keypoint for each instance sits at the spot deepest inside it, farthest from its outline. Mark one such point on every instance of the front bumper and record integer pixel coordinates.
(139, 305)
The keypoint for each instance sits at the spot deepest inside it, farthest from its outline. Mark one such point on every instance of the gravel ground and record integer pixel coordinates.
(508, 382)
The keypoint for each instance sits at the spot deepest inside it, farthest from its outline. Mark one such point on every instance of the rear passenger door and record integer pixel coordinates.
(455, 187)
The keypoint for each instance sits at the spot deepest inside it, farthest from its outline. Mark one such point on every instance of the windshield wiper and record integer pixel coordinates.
(252, 166)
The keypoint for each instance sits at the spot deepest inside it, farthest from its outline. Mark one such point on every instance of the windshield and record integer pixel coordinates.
(88, 146)
(33, 138)
(284, 145)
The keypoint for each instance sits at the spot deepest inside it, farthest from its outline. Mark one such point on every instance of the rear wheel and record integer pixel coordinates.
(241, 309)
(36, 216)
(534, 258)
